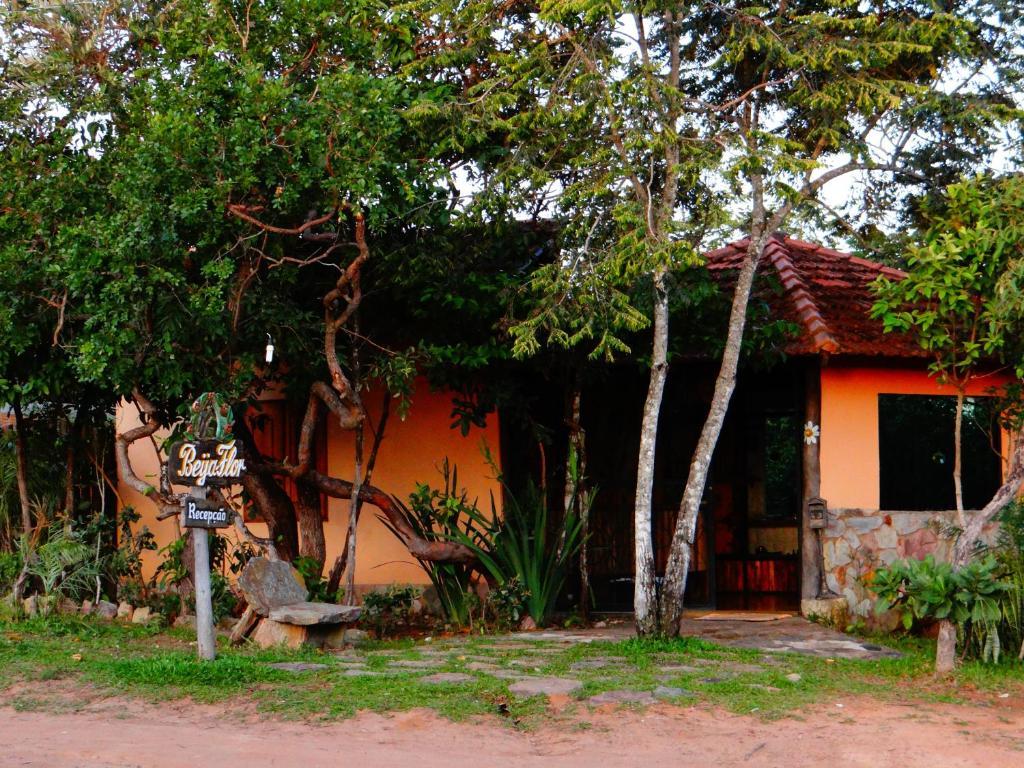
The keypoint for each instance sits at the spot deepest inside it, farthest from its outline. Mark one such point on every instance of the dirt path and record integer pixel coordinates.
(860, 733)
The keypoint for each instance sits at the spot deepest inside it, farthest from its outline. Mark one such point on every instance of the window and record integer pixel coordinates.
(916, 452)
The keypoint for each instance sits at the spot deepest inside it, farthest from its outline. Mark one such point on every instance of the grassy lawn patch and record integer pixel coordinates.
(86, 656)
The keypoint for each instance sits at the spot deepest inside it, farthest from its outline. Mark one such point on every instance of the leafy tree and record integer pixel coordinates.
(182, 179)
(648, 127)
(963, 299)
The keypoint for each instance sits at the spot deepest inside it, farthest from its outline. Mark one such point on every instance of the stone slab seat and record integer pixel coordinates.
(277, 593)
(311, 614)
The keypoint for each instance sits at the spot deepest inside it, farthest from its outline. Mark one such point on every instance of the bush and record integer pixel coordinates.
(10, 567)
(311, 571)
(973, 598)
(63, 564)
(505, 605)
(1009, 553)
(385, 610)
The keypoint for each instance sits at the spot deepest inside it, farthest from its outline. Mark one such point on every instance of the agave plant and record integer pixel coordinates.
(445, 515)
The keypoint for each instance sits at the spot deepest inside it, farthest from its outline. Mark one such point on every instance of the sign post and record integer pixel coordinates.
(201, 463)
(206, 638)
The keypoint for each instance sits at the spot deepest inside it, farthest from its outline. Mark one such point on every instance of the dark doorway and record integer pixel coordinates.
(747, 545)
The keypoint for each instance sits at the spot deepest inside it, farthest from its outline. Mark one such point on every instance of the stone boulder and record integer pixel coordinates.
(31, 605)
(270, 584)
(106, 609)
(142, 615)
(125, 611)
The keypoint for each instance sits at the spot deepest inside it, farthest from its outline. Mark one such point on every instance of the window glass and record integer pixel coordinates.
(916, 452)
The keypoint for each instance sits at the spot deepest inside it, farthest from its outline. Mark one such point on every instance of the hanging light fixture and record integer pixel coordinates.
(270, 349)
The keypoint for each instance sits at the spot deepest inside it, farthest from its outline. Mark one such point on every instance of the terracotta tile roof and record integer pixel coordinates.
(826, 293)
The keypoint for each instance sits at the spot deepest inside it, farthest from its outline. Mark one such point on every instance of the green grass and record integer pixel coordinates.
(62, 662)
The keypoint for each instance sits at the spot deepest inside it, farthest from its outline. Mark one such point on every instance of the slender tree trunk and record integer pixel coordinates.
(69, 467)
(644, 592)
(945, 646)
(340, 562)
(958, 456)
(21, 458)
(575, 489)
(353, 520)
(681, 552)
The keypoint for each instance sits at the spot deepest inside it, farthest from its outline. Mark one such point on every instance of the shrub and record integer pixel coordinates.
(384, 610)
(972, 597)
(311, 571)
(10, 567)
(505, 604)
(1009, 553)
(63, 564)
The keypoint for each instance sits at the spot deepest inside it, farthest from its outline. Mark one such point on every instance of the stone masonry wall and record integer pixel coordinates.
(858, 541)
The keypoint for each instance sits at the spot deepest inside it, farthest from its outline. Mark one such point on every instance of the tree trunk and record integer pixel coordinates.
(681, 552)
(958, 455)
(21, 458)
(311, 524)
(69, 467)
(353, 520)
(270, 499)
(341, 561)
(573, 501)
(644, 593)
(945, 648)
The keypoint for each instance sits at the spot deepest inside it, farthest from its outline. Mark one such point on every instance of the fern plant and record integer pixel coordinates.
(63, 563)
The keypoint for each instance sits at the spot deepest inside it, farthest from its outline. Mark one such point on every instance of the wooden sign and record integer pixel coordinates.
(204, 463)
(201, 514)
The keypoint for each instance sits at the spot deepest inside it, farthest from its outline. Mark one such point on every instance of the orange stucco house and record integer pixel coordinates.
(835, 459)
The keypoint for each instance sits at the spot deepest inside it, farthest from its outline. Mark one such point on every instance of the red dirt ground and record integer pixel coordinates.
(861, 732)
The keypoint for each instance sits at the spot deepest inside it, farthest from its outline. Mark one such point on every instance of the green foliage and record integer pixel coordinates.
(10, 567)
(963, 297)
(64, 564)
(522, 544)
(311, 571)
(444, 515)
(123, 566)
(971, 597)
(1009, 553)
(388, 609)
(651, 131)
(505, 604)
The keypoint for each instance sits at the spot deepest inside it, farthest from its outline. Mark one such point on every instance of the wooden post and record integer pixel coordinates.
(205, 636)
(810, 541)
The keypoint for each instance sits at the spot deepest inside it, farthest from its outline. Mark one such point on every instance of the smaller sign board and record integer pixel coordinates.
(205, 463)
(201, 514)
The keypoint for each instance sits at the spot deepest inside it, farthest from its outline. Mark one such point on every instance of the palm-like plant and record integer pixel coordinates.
(63, 563)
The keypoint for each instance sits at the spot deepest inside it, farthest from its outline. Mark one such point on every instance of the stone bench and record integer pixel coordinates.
(276, 595)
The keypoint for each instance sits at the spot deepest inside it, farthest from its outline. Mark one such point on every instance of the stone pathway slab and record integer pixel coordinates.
(623, 697)
(446, 678)
(547, 686)
(297, 666)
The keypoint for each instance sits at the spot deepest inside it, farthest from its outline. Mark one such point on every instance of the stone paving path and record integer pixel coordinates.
(793, 634)
(535, 663)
